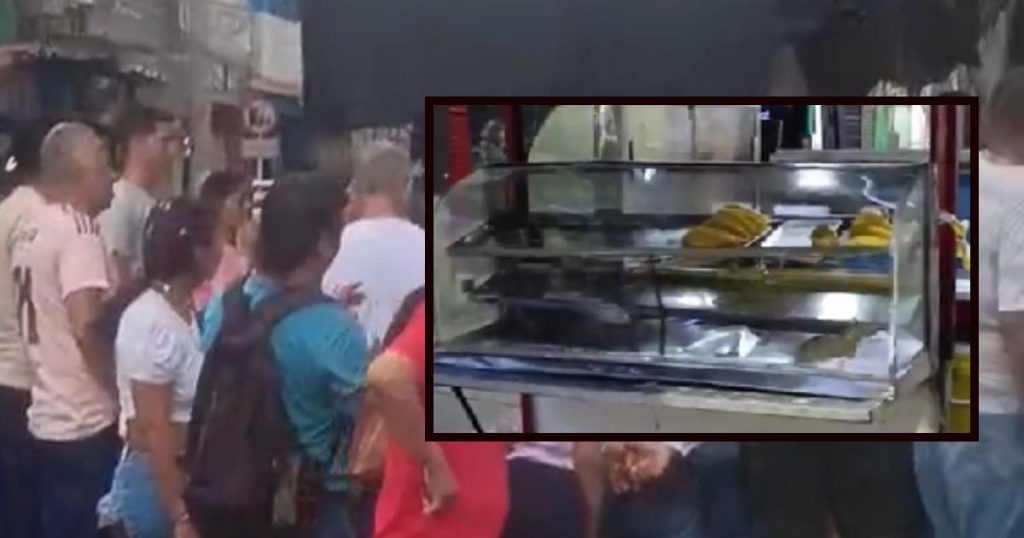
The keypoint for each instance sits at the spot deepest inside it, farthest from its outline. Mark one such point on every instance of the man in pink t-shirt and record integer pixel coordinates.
(61, 281)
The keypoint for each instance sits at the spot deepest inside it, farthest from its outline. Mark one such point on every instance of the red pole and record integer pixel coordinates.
(515, 150)
(945, 160)
(515, 145)
(460, 145)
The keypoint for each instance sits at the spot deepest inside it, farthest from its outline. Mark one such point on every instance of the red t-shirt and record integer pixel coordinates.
(481, 504)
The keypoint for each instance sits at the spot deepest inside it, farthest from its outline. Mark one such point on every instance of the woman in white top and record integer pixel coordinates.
(158, 364)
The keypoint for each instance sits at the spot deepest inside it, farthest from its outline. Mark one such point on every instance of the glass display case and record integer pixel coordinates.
(805, 279)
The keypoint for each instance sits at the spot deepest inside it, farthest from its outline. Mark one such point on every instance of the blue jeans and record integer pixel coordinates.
(866, 489)
(70, 479)
(134, 494)
(668, 508)
(544, 502)
(725, 510)
(334, 518)
(975, 489)
(18, 513)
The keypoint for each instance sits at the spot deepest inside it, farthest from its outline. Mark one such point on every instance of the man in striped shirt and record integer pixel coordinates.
(61, 280)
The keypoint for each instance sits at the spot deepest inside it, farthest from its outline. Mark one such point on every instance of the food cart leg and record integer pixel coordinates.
(528, 414)
(470, 414)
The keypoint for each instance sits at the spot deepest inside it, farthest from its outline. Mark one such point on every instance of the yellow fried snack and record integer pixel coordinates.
(824, 236)
(750, 221)
(758, 217)
(870, 229)
(708, 237)
(871, 219)
(868, 241)
(872, 210)
(732, 225)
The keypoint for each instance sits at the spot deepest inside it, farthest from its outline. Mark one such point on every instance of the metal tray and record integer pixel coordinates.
(600, 234)
(617, 235)
(617, 298)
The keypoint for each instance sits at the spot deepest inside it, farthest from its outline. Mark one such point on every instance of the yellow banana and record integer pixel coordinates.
(867, 241)
(708, 237)
(764, 220)
(824, 236)
(752, 225)
(871, 219)
(731, 224)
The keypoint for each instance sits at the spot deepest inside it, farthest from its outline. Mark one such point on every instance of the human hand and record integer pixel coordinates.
(439, 485)
(350, 295)
(631, 466)
(184, 529)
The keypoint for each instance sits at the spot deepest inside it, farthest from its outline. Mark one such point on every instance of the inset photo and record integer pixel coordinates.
(713, 268)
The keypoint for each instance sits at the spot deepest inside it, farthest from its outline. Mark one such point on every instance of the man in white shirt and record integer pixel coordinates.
(382, 254)
(62, 280)
(977, 489)
(17, 509)
(148, 145)
(1001, 271)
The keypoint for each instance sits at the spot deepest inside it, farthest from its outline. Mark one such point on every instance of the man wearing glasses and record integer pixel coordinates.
(148, 144)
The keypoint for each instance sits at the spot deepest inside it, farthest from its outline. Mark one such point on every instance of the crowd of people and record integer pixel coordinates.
(123, 365)
(196, 368)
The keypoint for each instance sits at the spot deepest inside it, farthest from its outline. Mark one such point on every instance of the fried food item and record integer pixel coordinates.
(707, 237)
(833, 346)
(763, 219)
(868, 241)
(752, 222)
(732, 226)
(870, 228)
(824, 236)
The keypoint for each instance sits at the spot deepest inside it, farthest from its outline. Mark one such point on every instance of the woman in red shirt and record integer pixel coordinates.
(430, 489)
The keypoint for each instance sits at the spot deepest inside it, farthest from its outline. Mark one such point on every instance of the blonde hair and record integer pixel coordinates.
(382, 168)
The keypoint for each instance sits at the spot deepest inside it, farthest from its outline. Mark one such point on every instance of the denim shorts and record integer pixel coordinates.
(134, 500)
(975, 488)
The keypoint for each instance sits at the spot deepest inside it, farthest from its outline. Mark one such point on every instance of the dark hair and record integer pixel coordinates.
(1004, 112)
(295, 215)
(138, 121)
(174, 229)
(218, 187)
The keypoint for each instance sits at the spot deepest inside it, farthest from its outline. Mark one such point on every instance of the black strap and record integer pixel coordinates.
(473, 420)
(402, 316)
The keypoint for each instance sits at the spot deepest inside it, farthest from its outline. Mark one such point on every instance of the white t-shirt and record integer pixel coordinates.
(123, 224)
(1000, 276)
(560, 454)
(57, 252)
(553, 454)
(387, 256)
(15, 369)
(156, 346)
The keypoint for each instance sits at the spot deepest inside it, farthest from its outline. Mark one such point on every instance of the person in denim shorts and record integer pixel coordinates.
(158, 362)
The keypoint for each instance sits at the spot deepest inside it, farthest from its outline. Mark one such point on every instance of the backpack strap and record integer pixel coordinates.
(236, 313)
(274, 309)
(402, 316)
